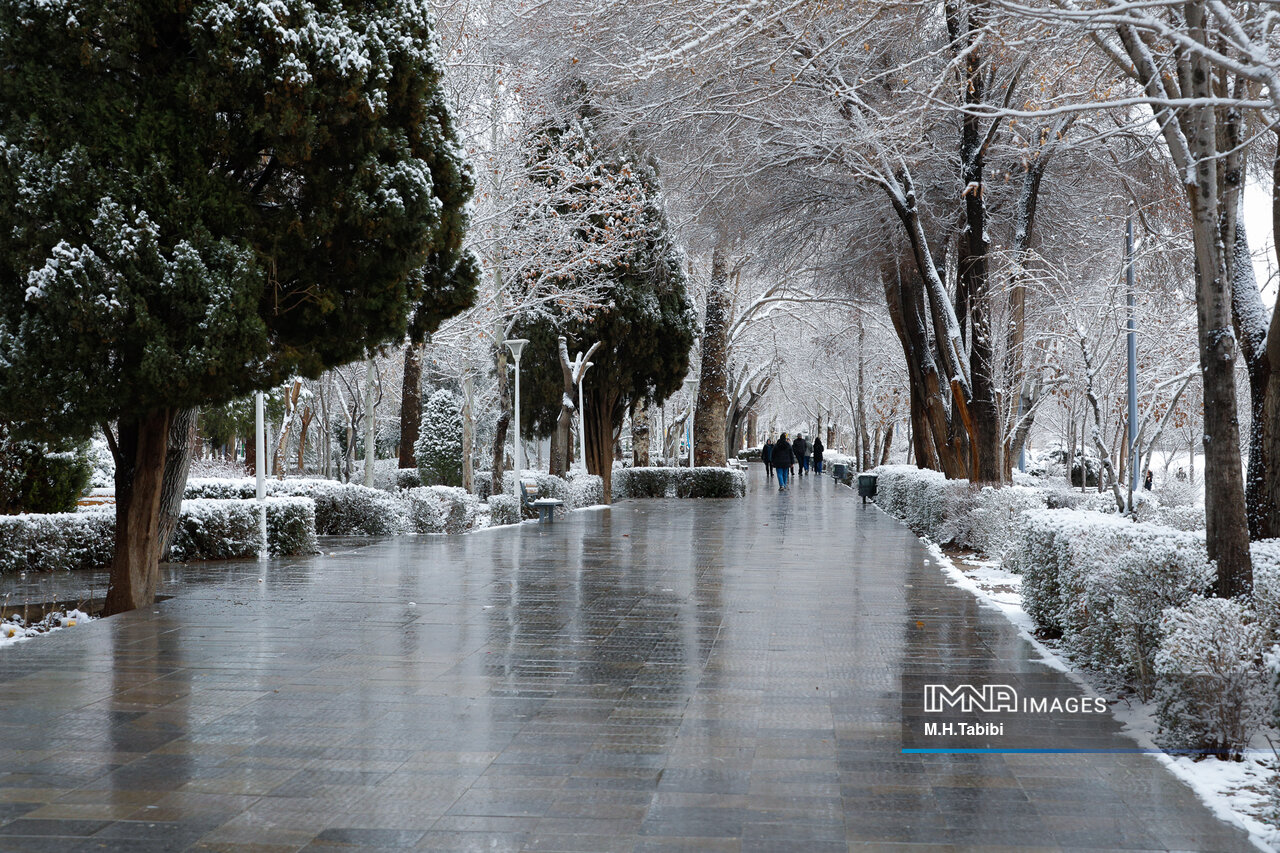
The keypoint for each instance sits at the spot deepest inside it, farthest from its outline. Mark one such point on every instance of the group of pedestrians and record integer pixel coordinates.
(786, 455)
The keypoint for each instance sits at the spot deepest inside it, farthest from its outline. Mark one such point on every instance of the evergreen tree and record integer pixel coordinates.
(644, 318)
(201, 199)
(439, 445)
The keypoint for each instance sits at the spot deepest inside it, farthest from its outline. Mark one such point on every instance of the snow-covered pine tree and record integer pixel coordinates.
(439, 445)
(198, 200)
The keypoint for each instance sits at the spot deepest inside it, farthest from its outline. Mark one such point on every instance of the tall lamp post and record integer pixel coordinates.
(516, 345)
(690, 385)
(260, 448)
(1133, 361)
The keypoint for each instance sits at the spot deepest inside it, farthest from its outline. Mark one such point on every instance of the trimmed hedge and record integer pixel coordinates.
(64, 540)
(207, 529)
(504, 509)
(442, 509)
(211, 529)
(342, 509)
(639, 483)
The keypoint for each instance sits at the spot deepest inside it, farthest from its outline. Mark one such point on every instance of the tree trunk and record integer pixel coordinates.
(888, 444)
(177, 463)
(410, 404)
(713, 385)
(599, 433)
(564, 423)
(468, 433)
(140, 451)
(503, 424)
(639, 435)
(1227, 534)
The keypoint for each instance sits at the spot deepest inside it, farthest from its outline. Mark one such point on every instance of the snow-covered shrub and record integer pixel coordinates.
(218, 488)
(291, 526)
(1173, 492)
(710, 482)
(439, 445)
(1095, 579)
(441, 509)
(67, 540)
(37, 477)
(986, 520)
(407, 478)
(1178, 517)
(102, 464)
(482, 484)
(915, 496)
(345, 509)
(585, 489)
(212, 529)
(1266, 586)
(1211, 689)
(643, 483)
(504, 509)
(1114, 625)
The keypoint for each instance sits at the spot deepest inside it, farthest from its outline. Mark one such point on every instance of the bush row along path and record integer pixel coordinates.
(665, 675)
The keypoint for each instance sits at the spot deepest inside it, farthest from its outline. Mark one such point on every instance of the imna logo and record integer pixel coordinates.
(968, 699)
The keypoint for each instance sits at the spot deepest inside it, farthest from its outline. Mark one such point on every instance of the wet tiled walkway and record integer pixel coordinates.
(667, 675)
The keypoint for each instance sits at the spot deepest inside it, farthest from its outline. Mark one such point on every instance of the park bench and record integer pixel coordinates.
(546, 507)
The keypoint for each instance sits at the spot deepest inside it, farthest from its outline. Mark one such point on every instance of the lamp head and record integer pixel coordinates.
(516, 345)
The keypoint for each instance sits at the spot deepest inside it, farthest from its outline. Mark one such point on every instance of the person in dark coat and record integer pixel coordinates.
(1147, 480)
(783, 459)
(766, 456)
(817, 454)
(800, 448)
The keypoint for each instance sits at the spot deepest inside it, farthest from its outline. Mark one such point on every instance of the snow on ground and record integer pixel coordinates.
(14, 630)
(1238, 792)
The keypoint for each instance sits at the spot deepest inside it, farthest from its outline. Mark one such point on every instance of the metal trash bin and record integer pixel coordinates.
(866, 486)
(839, 470)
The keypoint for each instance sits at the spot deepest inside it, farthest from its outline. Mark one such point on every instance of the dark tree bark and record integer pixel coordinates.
(503, 425)
(713, 385)
(410, 404)
(177, 464)
(603, 408)
(139, 448)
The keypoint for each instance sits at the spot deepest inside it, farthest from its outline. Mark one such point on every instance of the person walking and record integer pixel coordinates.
(766, 456)
(800, 448)
(783, 458)
(817, 454)
(1147, 480)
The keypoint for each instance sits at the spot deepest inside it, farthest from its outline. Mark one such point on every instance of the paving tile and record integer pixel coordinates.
(723, 678)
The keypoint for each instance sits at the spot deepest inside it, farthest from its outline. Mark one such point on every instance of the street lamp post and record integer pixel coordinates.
(260, 448)
(1133, 361)
(691, 385)
(516, 345)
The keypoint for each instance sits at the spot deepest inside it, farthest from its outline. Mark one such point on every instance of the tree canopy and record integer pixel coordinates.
(202, 199)
(643, 318)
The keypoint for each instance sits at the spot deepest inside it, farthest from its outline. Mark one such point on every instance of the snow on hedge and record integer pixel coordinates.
(225, 529)
(1127, 599)
(342, 509)
(65, 540)
(678, 483)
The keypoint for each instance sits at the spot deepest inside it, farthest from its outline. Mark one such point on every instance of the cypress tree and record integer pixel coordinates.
(201, 199)
(644, 318)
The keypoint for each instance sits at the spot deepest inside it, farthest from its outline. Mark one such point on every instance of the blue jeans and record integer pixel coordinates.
(782, 477)
(817, 464)
(804, 465)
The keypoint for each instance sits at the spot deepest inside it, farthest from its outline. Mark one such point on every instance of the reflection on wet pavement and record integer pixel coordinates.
(667, 675)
